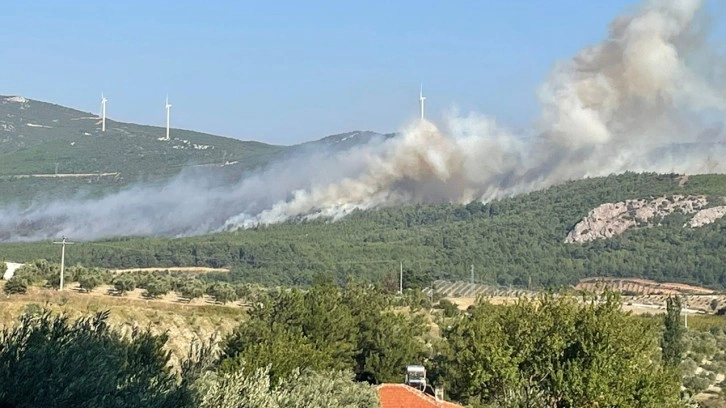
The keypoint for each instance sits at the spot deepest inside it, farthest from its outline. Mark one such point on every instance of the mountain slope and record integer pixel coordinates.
(514, 241)
(39, 139)
(345, 141)
(35, 136)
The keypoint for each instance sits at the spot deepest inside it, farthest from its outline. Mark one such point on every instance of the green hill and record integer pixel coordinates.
(36, 136)
(514, 241)
(39, 140)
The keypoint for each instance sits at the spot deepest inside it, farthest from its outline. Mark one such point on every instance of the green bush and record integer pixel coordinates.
(602, 356)
(223, 293)
(89, 281)
(157, 287)
(33, 309)
(49, 361)
(124, 283)
(192, 289)
(450, 309)
(696, 384)
(16, 285)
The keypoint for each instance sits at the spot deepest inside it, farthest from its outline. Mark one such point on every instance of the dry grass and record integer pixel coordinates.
(464, 302)
(138, 295)
(188, 269)
(184, 323)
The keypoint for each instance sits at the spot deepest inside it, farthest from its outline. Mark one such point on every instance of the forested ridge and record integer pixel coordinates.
(512, 241)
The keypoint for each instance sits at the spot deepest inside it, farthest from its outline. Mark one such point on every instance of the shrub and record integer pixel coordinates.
(450, 309)
(16, 285)
(192, 289)
(696, 384)
(223, 293)
(48, 361)
(33, 309)
(157, 287)
(124, 283)
(89, 281)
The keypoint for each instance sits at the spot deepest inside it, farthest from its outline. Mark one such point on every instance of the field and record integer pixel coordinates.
(641, 286)
(640, 296)
(184, 322)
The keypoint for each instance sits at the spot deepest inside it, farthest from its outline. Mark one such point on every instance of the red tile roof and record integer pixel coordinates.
(404, 396)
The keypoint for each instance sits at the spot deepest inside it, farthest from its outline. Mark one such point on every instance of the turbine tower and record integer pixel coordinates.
(168, 110)
(421, 99)
(103, 112)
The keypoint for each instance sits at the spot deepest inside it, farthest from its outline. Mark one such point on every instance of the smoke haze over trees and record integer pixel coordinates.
(644, 99)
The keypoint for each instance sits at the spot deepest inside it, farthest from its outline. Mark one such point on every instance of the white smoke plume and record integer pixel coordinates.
(633, 102)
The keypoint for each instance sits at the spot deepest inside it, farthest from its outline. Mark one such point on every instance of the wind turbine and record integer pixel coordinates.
(421, 99)
(103, 112)
(168, 110)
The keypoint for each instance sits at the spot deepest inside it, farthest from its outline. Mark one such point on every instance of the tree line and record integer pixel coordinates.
(155, 284)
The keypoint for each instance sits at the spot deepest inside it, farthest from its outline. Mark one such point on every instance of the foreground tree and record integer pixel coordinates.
(327, 328)
(557, 352)
(672, 341)
(48, 361)
(254, 389)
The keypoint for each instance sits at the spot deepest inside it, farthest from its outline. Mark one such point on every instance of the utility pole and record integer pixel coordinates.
(400, 282)
(472, 274)
(685, 310)
(63, 258)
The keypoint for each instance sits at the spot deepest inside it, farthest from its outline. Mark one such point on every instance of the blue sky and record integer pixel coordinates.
(289, 71)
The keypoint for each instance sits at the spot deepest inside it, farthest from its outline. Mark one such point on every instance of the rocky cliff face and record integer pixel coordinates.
(611, 219)
(706, 216)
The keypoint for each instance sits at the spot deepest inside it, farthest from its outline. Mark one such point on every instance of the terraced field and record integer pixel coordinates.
(462, 289)
(641, 286)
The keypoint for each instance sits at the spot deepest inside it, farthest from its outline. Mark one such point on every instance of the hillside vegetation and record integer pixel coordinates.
(306, 348)
(38, 139)
(514, 241)
(372, 335)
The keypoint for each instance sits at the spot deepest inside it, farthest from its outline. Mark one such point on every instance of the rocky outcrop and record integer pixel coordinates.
(706, 216)
(611, 219)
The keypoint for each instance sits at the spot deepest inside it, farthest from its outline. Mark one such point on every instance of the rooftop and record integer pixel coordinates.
(404, 396)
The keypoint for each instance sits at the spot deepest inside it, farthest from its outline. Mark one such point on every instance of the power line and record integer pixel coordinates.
(400, 286)
(63, 244)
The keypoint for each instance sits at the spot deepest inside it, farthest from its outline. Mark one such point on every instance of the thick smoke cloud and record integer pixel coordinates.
(634, 102)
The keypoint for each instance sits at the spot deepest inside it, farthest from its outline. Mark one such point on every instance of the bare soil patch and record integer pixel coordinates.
(190, 269)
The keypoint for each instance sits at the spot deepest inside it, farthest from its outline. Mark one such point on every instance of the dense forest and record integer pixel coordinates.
(512, 241)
